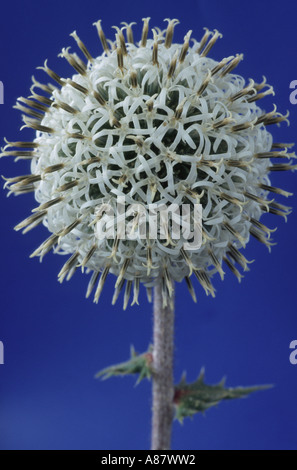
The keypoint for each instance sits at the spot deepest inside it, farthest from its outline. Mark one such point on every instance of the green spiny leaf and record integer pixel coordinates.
(195, 397)
(137, 364)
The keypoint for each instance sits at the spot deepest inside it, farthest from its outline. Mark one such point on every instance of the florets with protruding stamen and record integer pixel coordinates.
(153, 122)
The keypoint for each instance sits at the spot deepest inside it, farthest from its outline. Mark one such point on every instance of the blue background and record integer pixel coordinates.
(55, 340)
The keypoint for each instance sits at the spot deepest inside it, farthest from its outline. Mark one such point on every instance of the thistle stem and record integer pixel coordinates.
(163, 388)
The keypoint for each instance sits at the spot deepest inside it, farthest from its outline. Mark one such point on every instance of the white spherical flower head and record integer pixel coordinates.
(144, 124)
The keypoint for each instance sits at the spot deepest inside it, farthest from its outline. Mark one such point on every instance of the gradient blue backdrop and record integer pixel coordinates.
(55, 340)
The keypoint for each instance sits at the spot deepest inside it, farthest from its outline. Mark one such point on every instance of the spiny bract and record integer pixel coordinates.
(152, 121)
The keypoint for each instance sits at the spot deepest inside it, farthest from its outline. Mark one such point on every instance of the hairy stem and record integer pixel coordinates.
(163, 388)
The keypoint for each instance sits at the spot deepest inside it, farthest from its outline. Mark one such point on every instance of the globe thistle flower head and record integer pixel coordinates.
(149, 122)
